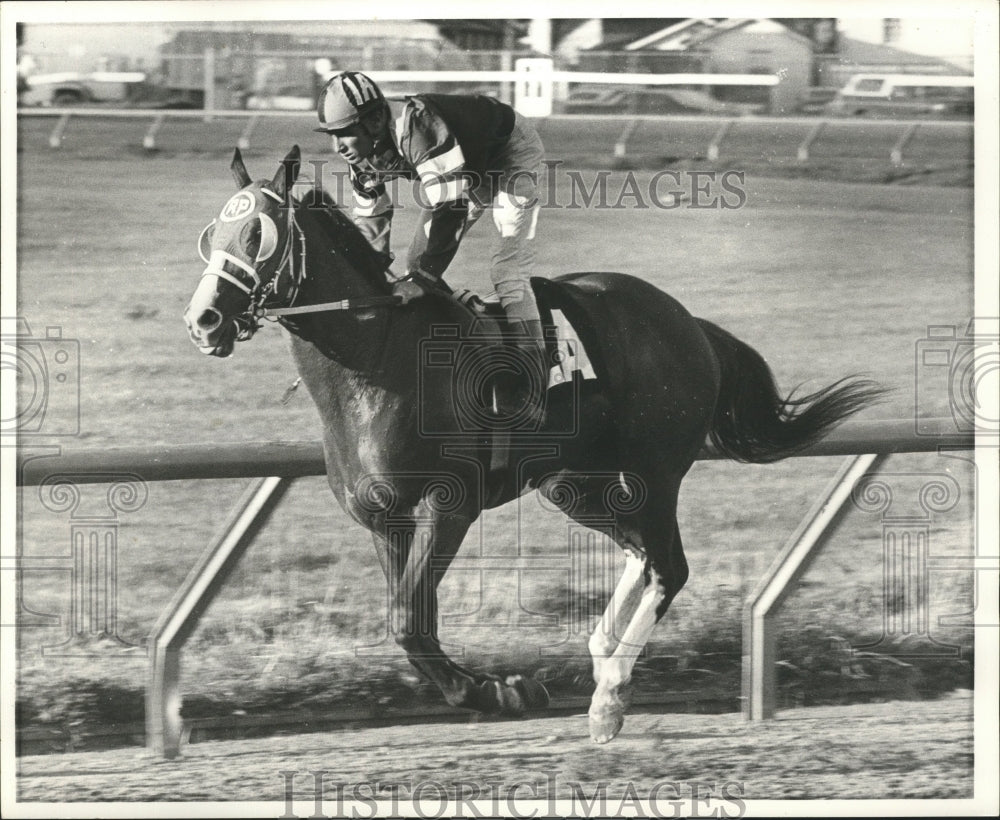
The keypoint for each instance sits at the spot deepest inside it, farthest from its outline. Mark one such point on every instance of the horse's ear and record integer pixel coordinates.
(287, 173)
(239, 170)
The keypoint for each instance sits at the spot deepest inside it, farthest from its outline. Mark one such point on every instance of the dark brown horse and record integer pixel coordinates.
(411, 451)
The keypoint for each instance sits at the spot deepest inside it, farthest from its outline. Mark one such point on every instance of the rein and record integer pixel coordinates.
(343, 304)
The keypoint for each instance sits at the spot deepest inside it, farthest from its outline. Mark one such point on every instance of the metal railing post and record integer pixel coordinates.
(149, 140)
(720, 135)
(759, 638)
(896, 155)
(244, 141)
(55, 138)
(164, 725)
(208, 85)
(814, 132)
(621, 145)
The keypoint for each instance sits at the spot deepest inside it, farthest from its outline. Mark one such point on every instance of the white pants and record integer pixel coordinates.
(514, 200)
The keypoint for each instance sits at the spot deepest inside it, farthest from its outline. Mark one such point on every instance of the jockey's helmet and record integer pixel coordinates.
(347, 97)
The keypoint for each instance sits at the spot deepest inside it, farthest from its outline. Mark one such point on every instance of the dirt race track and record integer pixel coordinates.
(888, 750)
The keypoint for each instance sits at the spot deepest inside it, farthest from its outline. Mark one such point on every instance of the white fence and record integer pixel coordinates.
(868, 444)
(708, 136)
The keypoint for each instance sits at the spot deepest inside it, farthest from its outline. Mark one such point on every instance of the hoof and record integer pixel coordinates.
(512, 697)
(518, 694)
(533, 694)
(606, 725)
(607, 713)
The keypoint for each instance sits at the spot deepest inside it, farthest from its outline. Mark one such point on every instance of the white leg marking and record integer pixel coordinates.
(618, 667)
(607, 709)
(619, 612)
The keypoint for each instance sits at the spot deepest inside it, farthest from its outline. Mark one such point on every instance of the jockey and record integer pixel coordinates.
(468, 153)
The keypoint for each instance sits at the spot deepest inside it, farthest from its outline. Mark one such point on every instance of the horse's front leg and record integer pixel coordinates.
(419, 551)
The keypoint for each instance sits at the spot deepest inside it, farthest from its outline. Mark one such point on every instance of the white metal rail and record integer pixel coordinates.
(907, 128)
(868, 445)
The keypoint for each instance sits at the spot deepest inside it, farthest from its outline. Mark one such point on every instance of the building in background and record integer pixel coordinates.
(718, 46)
(85, 47)
(263, 58)
(861, 57)
(271, 65)
(264, 64)
(949, 40)
(482, 35)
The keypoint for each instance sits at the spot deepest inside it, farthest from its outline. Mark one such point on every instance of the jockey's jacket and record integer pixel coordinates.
(448, 142)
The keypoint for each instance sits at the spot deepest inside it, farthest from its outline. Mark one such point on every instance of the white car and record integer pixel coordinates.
(73, 88)
(903, 95)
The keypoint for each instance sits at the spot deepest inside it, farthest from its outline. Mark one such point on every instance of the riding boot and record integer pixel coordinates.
(525, 389)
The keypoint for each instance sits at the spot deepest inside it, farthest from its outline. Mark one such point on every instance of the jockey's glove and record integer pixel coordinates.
(407, 289)
(415, 284)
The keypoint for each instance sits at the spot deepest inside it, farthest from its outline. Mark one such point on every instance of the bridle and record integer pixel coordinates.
(248, 322)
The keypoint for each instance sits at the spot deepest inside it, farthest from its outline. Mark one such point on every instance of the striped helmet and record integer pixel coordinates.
(347, 97)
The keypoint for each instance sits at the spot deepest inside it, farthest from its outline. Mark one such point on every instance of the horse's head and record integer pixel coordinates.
(245, 248)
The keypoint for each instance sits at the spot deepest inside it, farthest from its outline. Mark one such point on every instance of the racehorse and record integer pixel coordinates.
(403, 464)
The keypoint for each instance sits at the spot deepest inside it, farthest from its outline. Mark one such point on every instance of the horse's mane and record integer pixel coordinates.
(345, 235)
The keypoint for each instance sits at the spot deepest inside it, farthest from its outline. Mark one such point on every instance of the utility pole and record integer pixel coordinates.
(507, 59)
(540, 35)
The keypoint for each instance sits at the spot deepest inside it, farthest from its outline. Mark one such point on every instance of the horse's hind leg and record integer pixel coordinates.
(585, 498)
(606, 636)
(664, 573)
(655, 571)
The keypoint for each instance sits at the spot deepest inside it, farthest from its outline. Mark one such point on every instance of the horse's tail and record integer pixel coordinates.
(753, 423)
